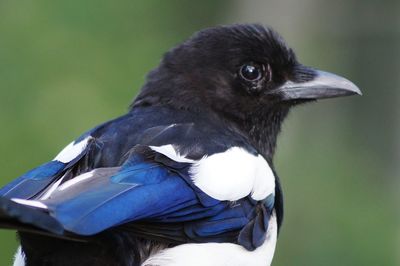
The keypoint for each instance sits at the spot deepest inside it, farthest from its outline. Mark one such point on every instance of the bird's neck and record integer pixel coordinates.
(263, 129)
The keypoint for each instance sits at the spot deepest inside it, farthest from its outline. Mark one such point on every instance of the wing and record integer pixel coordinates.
(150, 194)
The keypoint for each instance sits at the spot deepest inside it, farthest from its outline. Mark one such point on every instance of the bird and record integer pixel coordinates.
(186, 176)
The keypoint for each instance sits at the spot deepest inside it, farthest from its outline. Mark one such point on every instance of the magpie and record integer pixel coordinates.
(186, 177)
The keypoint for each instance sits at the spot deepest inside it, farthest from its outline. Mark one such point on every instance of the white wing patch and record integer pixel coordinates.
(234, 174)
(229, 175)
(32, 203)
(72, 150)
(217, 254)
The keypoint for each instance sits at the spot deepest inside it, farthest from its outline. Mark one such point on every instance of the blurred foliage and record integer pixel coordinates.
(66, 66)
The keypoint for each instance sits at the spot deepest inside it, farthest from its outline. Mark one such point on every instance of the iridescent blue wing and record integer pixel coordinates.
(150, 195)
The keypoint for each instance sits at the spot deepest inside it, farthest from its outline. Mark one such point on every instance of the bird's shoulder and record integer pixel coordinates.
(194, 135)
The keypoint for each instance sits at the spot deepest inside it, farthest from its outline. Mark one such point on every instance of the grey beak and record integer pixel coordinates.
(322, 85)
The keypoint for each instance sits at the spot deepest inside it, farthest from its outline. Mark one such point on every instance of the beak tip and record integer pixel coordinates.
(358, 92)
(354, 90)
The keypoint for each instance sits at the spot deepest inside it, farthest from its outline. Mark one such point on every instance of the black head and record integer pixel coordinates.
(244, 74)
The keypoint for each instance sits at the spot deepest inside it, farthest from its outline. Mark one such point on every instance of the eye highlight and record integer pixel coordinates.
(251, 71)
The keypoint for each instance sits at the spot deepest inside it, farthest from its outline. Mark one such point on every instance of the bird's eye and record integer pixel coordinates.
(251, 71)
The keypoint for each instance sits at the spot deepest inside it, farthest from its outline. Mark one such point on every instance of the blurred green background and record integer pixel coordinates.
(66, 66)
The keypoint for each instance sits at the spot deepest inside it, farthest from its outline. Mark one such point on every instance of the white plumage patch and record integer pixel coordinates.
(170, 152)
(218, 254)
(19, 258)
(234, 174)
(32, 203)
(72, 150)
(229, 175)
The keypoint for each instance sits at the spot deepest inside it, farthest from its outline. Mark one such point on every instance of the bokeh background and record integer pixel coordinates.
(66, 66)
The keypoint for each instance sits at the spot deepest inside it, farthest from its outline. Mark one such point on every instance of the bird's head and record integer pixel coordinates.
(245, 74)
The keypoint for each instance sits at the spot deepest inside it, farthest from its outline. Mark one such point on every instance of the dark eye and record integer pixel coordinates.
(251, 71)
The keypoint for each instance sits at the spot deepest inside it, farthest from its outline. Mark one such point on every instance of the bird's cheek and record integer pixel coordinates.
(255, 89)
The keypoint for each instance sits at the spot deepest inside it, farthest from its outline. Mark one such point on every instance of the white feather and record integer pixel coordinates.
(19, 258)
(170, 152)
(234, 174)
(72, 150)
(32, 203)
(264, 181)
(218, 254)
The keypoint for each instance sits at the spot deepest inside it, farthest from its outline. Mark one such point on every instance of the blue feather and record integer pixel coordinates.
(32, 182)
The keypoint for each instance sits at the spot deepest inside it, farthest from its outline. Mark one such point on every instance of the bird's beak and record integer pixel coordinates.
(317, 85)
